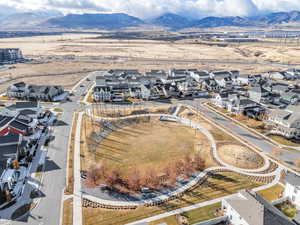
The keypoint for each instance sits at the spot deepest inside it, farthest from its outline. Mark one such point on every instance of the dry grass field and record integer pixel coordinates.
(192, 216)
(143, 146)
(52, 63)
(239, 156)
(222, 184)
(218, 134)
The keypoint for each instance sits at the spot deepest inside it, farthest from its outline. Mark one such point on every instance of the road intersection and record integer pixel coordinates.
(48, 212)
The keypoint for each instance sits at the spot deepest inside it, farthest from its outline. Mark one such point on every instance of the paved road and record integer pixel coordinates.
(287, 156)
(48, 211)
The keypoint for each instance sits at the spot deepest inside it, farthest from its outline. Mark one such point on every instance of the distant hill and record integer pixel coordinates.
(117, 21)
(172, 21)
(223, 21)
(279, 18)
(27, 20)
(92, 21)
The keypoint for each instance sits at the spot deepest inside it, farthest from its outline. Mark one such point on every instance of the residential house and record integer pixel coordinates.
(210, 85)
(249, 208)
(222, 78)
(285, 122)
(200, 76)
(292, 188)
(259, 94)
(36, 92)
(277, 75)
(12, 182)
(243, 80)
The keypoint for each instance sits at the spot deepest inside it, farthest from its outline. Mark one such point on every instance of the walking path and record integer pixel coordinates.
(193, 182)
(77, 203)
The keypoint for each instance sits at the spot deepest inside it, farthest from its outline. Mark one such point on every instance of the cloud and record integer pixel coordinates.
(152, 8)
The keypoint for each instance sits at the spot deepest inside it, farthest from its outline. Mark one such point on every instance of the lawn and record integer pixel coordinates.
(272, 193)
(202, 214)
(68, 212)
(224, 183)
(70, 181)
(144, 145)
(283, 141)
(170, 220)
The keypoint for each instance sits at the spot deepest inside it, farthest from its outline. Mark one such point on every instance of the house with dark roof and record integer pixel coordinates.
(36, 92)
(249, 208)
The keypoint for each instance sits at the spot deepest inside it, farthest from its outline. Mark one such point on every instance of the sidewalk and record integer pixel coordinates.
(77, 200)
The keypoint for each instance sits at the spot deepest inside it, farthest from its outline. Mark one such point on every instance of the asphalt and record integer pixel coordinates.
(264, 145)
(49, 209)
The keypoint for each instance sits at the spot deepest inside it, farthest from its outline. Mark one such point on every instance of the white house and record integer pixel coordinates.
(243, 79)
(292, 189)
(249, 208)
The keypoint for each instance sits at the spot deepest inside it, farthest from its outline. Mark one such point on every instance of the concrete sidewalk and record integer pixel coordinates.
(77, 203)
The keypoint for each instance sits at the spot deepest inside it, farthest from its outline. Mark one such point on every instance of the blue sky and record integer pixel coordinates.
(152, 8)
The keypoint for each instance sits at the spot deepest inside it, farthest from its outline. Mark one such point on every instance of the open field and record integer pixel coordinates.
(54, 56)
(224, 183)
(142, 146)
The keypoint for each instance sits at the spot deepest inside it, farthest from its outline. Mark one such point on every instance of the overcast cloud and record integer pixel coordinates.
(152, 8)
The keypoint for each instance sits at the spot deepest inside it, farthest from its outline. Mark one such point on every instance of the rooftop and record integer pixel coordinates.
(257, 211)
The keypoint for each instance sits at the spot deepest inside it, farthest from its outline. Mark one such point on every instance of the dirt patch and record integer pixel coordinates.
(239, 156)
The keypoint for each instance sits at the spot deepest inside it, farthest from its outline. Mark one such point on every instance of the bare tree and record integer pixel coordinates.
(198, 162)
(134, 180)
(113, 177)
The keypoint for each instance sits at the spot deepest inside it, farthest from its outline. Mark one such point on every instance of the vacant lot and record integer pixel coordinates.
(220, 184)
(143, 145)
(55, 56)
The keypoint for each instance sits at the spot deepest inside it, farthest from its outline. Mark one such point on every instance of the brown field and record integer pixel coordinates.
(144, 146)
(68, 212)
(214, 187)
(134, 54)
(218, 134)
(239, 156)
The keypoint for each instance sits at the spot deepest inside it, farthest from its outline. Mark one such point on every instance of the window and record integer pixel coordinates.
(295, 190)
(293, 198)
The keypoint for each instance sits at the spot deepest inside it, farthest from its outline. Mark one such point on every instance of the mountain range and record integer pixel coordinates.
(120, 20)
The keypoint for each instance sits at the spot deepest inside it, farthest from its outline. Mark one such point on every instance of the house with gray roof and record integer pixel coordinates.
(35, 92)
(285, 122)
(259, 94)
(292, 188)
(249, 208)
